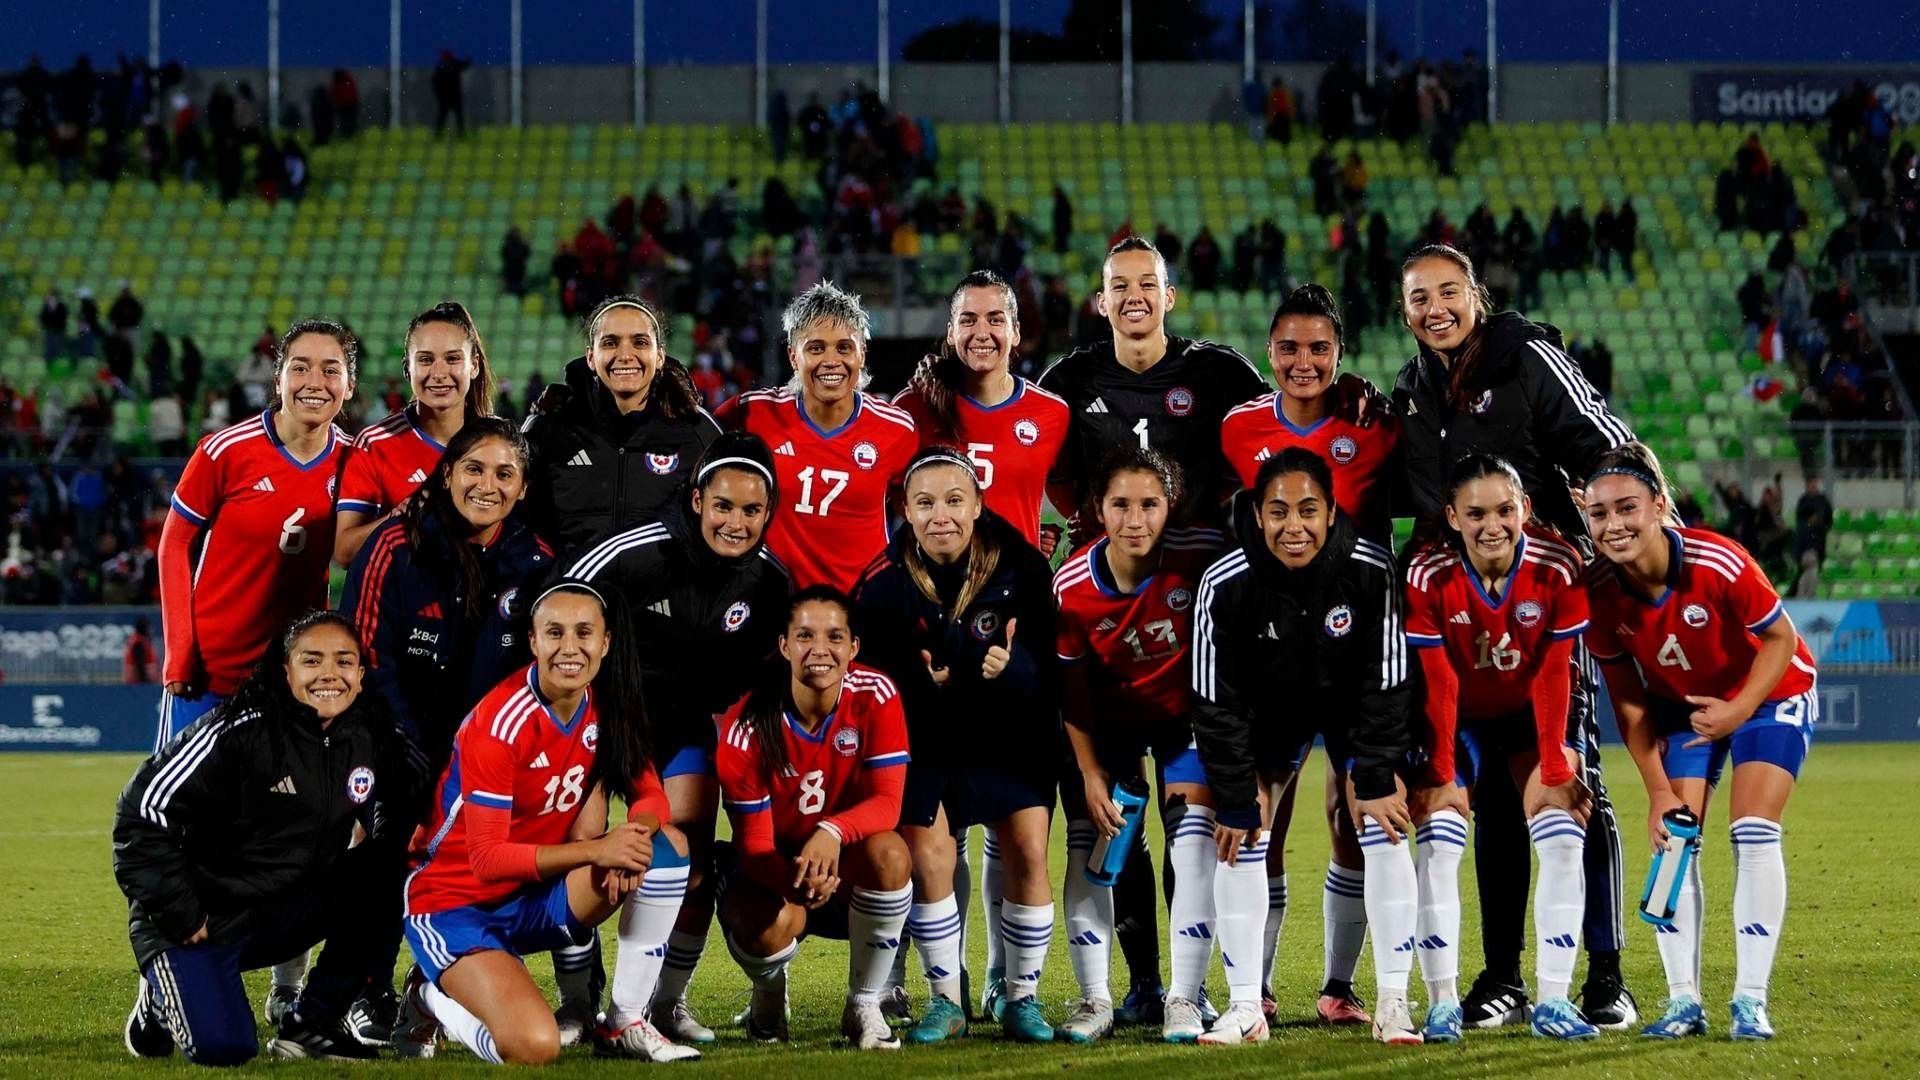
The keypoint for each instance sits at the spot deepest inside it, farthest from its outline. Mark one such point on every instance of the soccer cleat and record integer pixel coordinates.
(298, 1037)
(640, 1041)
(1241, 1023)
(146, 1034)
(1341, 1009)
(1086, 1021)
(280, 1002)
(1443, 1023)
(866, 1027)
(1142, 1005)
(1750, 1023)
(371, 1018)
(576, 1021)
(767, 1013)
(944, 1019)
(993, 1002)
(1024, 1021)
(1494, 1003)
(416, 1034)
(1556, 1018)
(1208, 1014)
(678, 1022)
(1683, 1017)
(896, 1006)
(1180, 1021)
(1393, 1023)
(1607, 1003)
(1269, 1006)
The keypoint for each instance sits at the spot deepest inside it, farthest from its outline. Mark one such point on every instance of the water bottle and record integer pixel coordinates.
(1669, 868)
(1110, 853)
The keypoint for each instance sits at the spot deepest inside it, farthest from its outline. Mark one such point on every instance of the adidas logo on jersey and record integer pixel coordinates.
(786, 449)
(431, 611)
(1263, 455)
(1462, 618)
(580, 458)
(661, 607)
(265, 484)
(419, 477)
(1097, 405)
(284, 787)
(540, 762)
(1106, 624)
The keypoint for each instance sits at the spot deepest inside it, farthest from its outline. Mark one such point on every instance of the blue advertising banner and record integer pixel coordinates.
(65, 718)
(1788, 96)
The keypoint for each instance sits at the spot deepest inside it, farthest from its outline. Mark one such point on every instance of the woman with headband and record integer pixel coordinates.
(708, 603)
(615, 441)
(959, 613)
(521, 859)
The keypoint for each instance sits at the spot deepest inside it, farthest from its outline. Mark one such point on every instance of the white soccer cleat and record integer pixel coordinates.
(1241, 1023)
(677, 1021)
(1087, 1020)
(1180, 1021)
(866, 1027)
(1393, 1023)
(641, 1041)
(766, 1015)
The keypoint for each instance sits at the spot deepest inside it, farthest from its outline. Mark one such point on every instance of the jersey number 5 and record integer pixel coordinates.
(977, 453)
(837, 478)
(813, 791)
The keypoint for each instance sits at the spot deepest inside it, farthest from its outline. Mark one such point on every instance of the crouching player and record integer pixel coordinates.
(1297, 633)
(1493, 611)
(504, 873)
(811, 773)
(1124, 638)
(1717, 671)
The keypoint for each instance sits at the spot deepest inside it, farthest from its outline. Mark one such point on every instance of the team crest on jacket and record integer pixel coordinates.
(662, 464)
(1695, 616)
(846, 741)
(985, 625)
(866, 455)
(1179, 401)
(1339, 620)
(590, 738)
(360, 784)
(506, 603)
(1343, 449)
(1478, 406)
(1179, 599)
(736, 616)
(1026, 431)
(1527, 614)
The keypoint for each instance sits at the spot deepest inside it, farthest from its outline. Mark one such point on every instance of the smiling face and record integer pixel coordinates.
(829, 358)
(1624, 517)
(1488, 512)
(1303, 354)
(1294, 514)
(323, 670)
(487, 483)
(981, 329)
(732, 511)
(943, 503)
(1134, 511)
(569, 641)
(440, 365)
(626, 353)
(819, 644)
(313, 382)
(1438, 304)
(1134, 294)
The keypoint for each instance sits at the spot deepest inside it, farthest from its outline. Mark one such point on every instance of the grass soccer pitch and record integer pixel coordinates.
(1844, 998)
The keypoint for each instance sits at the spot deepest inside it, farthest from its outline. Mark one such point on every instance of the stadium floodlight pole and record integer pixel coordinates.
(153, 33)
(1247, 67)
(885, 67)
(1613, 62)
(760, 64)
(639, 63)
(1006, 61)
(1126, 61)
(1493, 65)
(1373, 20)
(393, 63)
(516, 71)
(273, 64)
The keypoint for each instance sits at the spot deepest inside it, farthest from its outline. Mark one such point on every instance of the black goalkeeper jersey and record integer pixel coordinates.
(1176, 407)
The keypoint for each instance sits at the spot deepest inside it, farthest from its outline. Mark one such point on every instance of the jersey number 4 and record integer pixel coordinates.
(1672, 655)
(835, 481)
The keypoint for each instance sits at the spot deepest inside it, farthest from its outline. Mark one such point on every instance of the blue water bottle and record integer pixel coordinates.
(1669, 868)
(1110, 853)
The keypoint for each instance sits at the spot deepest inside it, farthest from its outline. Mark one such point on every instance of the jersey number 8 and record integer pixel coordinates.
(813, 791)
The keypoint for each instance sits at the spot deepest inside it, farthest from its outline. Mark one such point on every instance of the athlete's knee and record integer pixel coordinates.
(223, 1048)
(532, 1041)
(891, 861)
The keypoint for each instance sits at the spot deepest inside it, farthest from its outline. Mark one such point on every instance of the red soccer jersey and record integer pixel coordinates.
(388, 462)
(1012, 444)
(266, 528)
(1360, 457)
(833, 484)
(515, 783)
(1137, 644)
(828, 773)
(1699, 638)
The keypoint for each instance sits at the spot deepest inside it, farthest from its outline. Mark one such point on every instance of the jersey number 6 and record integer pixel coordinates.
(293, 535)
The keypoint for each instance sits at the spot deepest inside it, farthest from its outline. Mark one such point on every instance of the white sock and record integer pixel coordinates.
(1392, 903)
(1759, 903)
(1559, 899)
(573, 973)
(1443, 843)
(646, 920)
(874, 920)
(290, 974)
(936, 933)
(1343, 913)
(1029, 930)
(761, 970)
(460, 1025)
(962, 897)
(1089, 918)
(1680, 942)
(683, 955)
(1239, 894)
(993, 894)
(1276, 923)
(1192, 856)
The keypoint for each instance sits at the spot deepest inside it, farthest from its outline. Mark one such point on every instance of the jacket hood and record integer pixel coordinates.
(1268, 567)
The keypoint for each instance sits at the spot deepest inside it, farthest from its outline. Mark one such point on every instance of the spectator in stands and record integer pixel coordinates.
(1281, 111)
(154, 148)
(1062, 220)
(346, 102)
(320, 112)
(166, 426)
(1812, 519)
(193, 368)
(126, 312)
(1273, 257)
(514, 253)
(87, 495)
(1246, 253)
(1596, 363)
(564, 269)
(294, 165)
(1335, 100)
(1326, 181)
(1605, 228)
(190, 149)
(1203, 261)
(159, 364)
(53, 326)
(138, 662)
(450, 91)
(816, 128)
(1742, 521)
(1354, 179)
